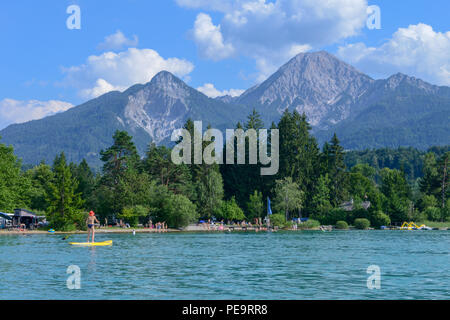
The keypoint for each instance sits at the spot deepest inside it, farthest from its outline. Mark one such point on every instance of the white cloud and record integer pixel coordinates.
(117, 41)
(16, 111)
(271, 32)
(417, 50)
(118, 71)
(101, 87)
(209, 90)
(210, 40)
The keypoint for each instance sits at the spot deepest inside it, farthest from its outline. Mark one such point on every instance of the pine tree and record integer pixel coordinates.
(122, 155)
(444, 172)
(40, 177)
(64, 203)
(239, 180)
(86, 179)
(14, 187)
(429, 183)
(119, 160)
(397, 192)
(336, 169)
(299, 153)
(177, 178)
(320, 201)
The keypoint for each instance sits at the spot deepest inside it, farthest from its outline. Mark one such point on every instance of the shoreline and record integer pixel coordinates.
(97, 231)
(196, 230)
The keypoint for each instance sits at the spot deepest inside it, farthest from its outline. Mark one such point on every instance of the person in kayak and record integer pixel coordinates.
(90, 221)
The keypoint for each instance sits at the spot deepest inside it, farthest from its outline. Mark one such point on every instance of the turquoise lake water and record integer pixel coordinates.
(283, 265)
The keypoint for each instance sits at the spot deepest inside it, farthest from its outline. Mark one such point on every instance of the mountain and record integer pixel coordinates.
(398, 111)
(317, 84)
(149, 112)
(365, 113)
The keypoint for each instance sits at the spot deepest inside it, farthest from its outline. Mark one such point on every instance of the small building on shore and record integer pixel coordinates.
(26, 219)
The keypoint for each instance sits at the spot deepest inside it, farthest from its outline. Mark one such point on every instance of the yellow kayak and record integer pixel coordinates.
(92, 244)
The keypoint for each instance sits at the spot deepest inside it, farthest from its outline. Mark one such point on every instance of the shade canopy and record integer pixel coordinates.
(24, 213)
(5, 216)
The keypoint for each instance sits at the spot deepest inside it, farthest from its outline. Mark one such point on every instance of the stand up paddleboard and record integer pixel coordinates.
(92, 244)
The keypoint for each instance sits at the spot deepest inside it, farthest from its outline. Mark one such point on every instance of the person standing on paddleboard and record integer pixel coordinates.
(90, 221)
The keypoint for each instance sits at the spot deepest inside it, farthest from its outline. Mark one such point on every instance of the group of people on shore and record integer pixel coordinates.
(159, 226)
(213, 226)
(258, 225)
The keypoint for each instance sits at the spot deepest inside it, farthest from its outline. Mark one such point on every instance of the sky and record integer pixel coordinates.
(52, 59)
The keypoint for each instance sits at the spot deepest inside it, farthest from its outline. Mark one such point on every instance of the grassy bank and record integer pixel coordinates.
(434, 224)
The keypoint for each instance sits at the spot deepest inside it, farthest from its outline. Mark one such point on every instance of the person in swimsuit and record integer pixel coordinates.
(90, 221)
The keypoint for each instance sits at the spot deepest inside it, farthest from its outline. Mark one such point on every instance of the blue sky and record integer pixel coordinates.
(218, 46)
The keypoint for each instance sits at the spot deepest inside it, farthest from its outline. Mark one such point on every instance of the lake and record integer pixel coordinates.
(282, 265)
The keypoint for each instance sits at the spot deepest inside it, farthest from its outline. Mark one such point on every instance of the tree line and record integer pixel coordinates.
(312, 182)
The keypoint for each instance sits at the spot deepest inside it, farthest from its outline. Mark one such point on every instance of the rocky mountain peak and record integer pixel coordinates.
(166, 81)
(400, 79)
(317, 84)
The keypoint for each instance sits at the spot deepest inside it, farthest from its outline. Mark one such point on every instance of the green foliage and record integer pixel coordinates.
(119, 160)
(229, 210)
(427, 201)
(240, 180)
(378, 219)
(433, 214)
(278, 220)
(159, 166)
(298, 152)
(64, 203)
(310, 224)
(419, 216)
(357, 213)
(446, 211)
(361, 224)
(78, 221)
(288, 196)
(182, 211)
(397, 192)
(14, 186)
(360, 186)
(429, 183)
(409, 160)
(394, 183)
(341, 225)
(320, 201)
(331, 217)
(334, 154)
(255, 205)
(86, 180)
(210, 192)
(174, 209)
(365, 170)
(40, 177)
(134, 214)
